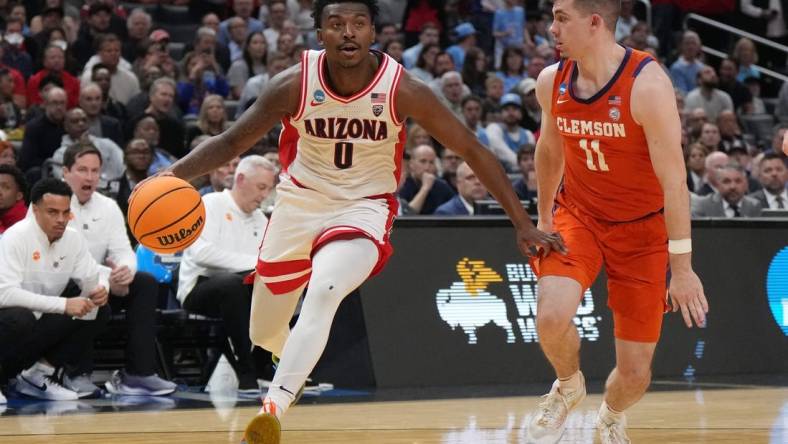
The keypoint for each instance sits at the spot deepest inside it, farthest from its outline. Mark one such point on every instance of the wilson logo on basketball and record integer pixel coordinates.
(181, 235)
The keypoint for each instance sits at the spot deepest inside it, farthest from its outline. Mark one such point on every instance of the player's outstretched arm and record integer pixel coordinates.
(416, 100)
(279, 98)
(549, 156)
(654, 91)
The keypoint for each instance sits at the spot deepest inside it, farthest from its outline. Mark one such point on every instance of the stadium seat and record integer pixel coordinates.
(174, 14)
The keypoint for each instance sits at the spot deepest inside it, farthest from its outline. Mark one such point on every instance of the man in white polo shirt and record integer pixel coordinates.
(101, 222)
(212, 269)
(39, 330)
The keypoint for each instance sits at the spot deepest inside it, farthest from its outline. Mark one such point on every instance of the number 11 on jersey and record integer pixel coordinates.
(590, 155)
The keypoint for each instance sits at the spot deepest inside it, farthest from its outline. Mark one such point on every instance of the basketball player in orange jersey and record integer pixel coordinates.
(343, 111)
(611, 131)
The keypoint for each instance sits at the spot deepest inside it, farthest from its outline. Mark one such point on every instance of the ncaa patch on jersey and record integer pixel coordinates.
(615, 114)
(319, 96)
(562, 89)
(377, 110)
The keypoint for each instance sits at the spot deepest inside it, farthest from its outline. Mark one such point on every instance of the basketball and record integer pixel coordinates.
(166, 214)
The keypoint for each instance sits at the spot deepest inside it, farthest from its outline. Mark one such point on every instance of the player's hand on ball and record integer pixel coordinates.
(686, 294)
(160, 173)
(530, 240)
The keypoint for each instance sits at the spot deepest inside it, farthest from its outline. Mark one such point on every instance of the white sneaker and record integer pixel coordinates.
(612, 431)
(82, 385)
(39, 382)
(3, 401)
(549, 421)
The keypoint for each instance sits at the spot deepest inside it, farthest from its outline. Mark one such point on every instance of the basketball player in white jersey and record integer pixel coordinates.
(343, 111)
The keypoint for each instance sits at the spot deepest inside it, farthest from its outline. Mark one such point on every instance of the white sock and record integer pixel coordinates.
(337, 269)
(609, 415)
(570, 384)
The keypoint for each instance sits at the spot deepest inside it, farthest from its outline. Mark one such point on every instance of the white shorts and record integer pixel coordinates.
(304, 220)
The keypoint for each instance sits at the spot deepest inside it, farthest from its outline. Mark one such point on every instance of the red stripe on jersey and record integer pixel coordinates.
(288, 286)
(399, 148)
(288, 144)
(273, 269)
(304, 77)
(393, 95)
(339, 98)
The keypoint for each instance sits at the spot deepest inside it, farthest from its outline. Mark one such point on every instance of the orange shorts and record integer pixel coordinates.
(635, 255)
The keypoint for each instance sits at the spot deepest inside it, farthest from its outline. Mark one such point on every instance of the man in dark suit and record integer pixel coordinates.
(730, 200)
(100, 125)
(713, 162)
(773, 176)
(469, 190)
(422, 190)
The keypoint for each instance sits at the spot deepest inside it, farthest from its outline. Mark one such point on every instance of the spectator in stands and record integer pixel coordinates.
(746, 55)
(773, 17)
(171, 129)
(76, 126)
(58, 37)
(731, 200)
(757, 106)
(212, 271)
(773, 176)
(507, 137)
(54, 64)
(781, 108)
(535, 66)
(15, 53)
(465, 36)
(512, 69)
(124, 84)
(684, 71)
(50, 18)
(714, 161)
(203, 77)
(384, 33)
(777, 137)
(707, 96)
(97, 23)
(417, 14)
(696, 167)
(730, 132)
(99, 125)
(211, 121)
(47, 83)
(710, 137)
(423, 190)
(211, 21)
(417, 135)
(696, 118)
(139, 24)
(472, 116)
(443, 64)
(206, 41)
(285, 45)
(425, 63)
(237, 29)
(740, 94)
(99, 219)
(449, 163)
(252, 63)
(474, 70)
(10, 114)
(101, 75)
(243, 10)
(13, 189)
(469, 190)
(7, 153)
(452, 91)
(154, 56)
(532, 111)
(394, 49)
(221, 178)
(508, 28)
(43, 134)
(148, 130)
(42, 332)
(277, 64)
(626, 20)
(493, 93)
(640, 38)
(429, 35)
(525, 185)
(137, 157)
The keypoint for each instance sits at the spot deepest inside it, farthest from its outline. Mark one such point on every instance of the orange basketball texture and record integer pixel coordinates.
(166, 214)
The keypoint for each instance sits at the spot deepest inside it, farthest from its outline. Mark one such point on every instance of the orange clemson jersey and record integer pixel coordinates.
(608, 172)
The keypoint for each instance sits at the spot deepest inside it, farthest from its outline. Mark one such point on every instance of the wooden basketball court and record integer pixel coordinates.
(712, 415)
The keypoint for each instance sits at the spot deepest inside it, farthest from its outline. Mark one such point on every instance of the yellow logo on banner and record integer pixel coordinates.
(476, 275)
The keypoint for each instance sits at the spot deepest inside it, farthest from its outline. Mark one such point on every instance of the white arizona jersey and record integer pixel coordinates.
(344, 147)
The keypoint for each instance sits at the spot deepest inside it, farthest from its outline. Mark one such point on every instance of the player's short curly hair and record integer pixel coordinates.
(317, 8)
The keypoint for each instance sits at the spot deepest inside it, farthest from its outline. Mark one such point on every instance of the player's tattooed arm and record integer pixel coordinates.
(279, 97)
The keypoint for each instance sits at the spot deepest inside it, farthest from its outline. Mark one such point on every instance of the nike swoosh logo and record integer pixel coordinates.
(562, 101)
(313, 103)
(42, 387)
